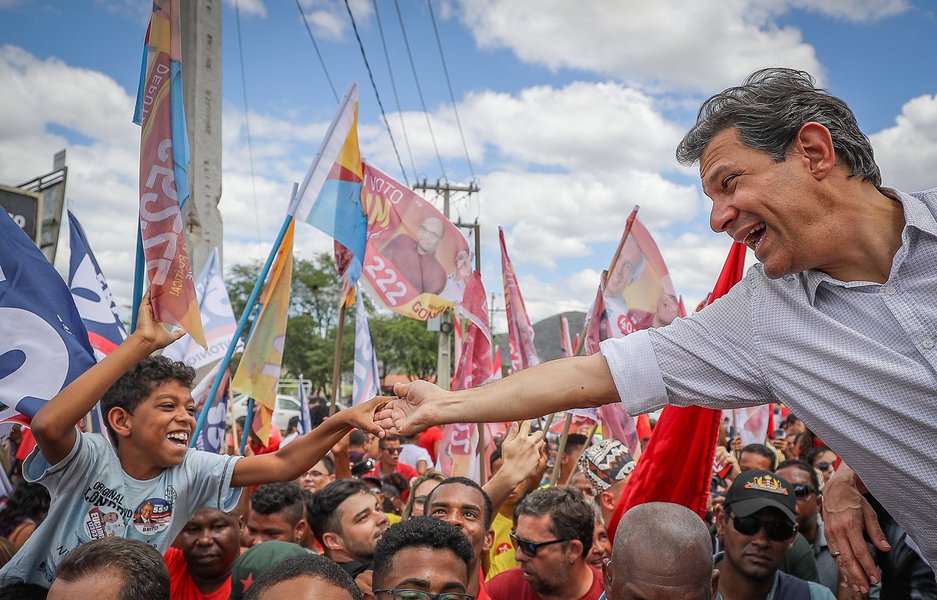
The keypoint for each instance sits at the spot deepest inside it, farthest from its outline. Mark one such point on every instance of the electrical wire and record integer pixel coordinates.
(380, 105)
(419, 90)
(393, 86)
(247, 122)
(316, 46)
(445, 70)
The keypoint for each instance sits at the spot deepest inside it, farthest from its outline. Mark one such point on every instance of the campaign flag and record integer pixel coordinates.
(458, 451)
(217, 319)
(752, 424)
(367, 375)
(43, 342)
(417, 263)
(91, 294)
(677, 464)
(520, 331)
(259, 369)
(305, 421)
(456, 341)
(329, 197)
(566, 345)
(496, 363)
(94, 303)
(211, 438)
(164, 184)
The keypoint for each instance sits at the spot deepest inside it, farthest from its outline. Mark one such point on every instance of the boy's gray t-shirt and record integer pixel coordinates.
(93, 498)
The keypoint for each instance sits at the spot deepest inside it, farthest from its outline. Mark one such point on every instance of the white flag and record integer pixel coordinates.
(365, 384)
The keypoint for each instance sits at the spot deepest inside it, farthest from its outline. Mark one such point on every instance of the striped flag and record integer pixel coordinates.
(305, 421)
(366, 381)
(164, 184)
(259, 369)
(329, 197)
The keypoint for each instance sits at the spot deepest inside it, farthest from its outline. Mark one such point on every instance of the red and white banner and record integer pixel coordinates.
(520, 331)
(417, 262)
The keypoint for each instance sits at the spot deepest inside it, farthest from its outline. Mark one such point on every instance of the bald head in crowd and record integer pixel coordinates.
(662, 551)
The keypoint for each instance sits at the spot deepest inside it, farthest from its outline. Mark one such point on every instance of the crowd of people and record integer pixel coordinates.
(354, 509)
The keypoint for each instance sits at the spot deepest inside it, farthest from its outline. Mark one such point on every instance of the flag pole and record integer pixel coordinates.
(248, 425)
(137, 279)
(242, 323)
(336, 365)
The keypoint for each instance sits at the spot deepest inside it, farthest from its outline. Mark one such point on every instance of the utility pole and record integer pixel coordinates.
(444, 354)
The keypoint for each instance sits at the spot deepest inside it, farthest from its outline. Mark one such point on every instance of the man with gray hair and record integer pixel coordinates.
(838, 322)
(662, 551)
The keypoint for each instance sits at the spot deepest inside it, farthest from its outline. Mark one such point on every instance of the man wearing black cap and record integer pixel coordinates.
(756, 526)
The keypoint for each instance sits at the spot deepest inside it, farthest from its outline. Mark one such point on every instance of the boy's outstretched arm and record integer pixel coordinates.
(54, 424)
(291, 461)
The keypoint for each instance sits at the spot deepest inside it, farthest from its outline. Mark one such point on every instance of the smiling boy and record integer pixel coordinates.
(149, 478)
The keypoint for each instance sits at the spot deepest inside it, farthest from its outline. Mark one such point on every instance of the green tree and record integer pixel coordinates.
(404, 345)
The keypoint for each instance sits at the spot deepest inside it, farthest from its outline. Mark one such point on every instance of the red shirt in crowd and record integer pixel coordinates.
(428, 440)
(510, 585)
(181, 585)
(406, 470)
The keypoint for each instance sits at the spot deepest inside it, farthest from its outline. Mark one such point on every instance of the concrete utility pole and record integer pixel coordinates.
(444, 356)
(201, 81)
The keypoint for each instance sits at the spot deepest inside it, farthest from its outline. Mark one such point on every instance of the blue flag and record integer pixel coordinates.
(211, 438)
(43, 342)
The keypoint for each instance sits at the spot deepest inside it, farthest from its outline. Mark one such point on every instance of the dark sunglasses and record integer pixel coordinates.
(531, 548)
(402, 594)
(802, 490)
(396, 450)
(776, 532)
(824, 466)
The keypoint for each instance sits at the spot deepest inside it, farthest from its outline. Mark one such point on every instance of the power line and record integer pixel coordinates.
(316, 46)
(376, 95)
(449, 84)
(419, 91)
(247, 122)
(393, 86)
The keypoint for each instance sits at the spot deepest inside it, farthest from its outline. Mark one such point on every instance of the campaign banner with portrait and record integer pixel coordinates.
(417, 262)
(638, 292)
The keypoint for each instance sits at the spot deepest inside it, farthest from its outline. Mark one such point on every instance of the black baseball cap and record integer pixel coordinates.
(754, 490)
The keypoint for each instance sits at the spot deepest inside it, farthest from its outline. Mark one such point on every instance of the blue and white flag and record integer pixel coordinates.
(94, 302)
(43, 342)
(211, 439)
(305, 421)
(217, 319)
(367, 375)
(90, 293)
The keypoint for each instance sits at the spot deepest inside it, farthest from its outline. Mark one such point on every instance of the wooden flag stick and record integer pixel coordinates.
(336, 366)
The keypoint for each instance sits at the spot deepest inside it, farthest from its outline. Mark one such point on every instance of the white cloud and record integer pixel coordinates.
(329, 18)
(857, 11)
(692, 45)
(254, 8)
(907, 151)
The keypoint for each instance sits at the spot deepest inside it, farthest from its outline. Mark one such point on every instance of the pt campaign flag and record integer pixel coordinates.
(520, 331)
(43, 343)
(164, 183)
(417, 262)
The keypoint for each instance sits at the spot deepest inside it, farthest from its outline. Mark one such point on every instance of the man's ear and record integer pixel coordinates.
(120, 421)
(575, 550)
(489, 540)
(719, 516)
(608, 502)
(815, 144)
(333, 541)
(715, 583)
(300, 530)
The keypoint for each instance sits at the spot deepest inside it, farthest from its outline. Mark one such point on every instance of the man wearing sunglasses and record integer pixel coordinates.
(756, 526)
(389, 462)
(553, 536)
(422, 559)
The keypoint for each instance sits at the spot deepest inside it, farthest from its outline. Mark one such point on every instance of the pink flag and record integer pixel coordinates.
(417, 262)
(565, 345)
(458, 455)
(520, 331)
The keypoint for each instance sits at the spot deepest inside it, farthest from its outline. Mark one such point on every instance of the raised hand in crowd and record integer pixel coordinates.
(723, 457)
(847, 516)
(522, 452)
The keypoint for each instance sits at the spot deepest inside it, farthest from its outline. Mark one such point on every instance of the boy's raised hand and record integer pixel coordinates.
(149, 331)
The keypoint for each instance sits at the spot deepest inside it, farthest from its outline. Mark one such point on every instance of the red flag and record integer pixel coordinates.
(677, 464)
(458, 454)
(520, 331)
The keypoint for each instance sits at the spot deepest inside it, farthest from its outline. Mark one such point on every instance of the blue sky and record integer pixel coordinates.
(571, 112)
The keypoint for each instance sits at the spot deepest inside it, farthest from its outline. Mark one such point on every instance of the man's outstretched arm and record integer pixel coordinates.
(578, 382)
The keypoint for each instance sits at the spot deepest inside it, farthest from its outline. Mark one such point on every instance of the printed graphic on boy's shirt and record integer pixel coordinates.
(104, 523)
(152, 516)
